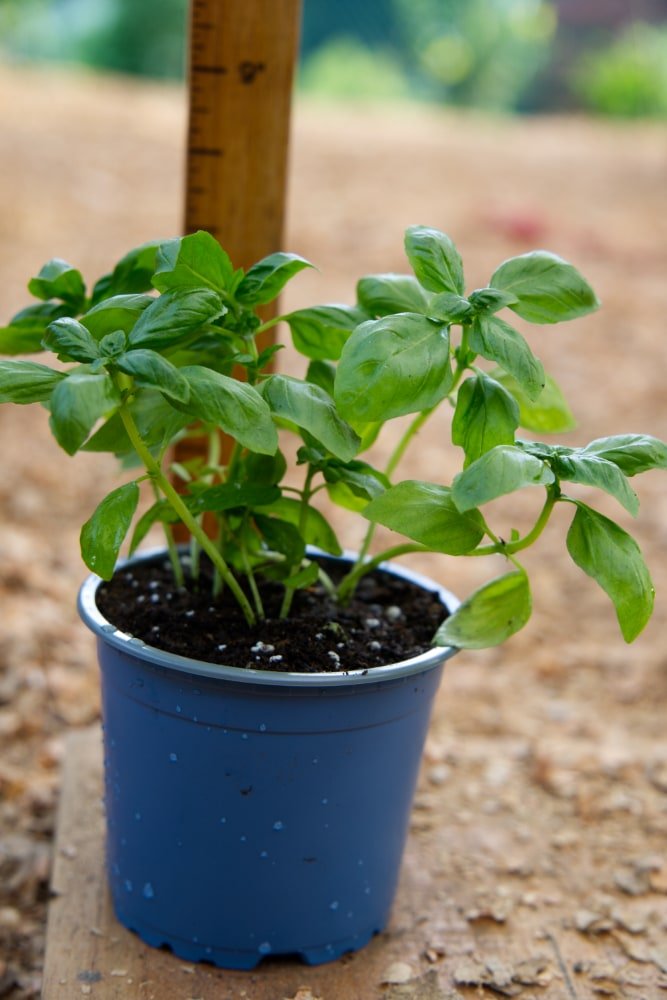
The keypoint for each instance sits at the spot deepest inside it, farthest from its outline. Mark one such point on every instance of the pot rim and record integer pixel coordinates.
(103, 629)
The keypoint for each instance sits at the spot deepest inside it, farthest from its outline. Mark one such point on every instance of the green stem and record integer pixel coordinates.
(306, 494)
(184, 515)
(172, 548)
(509, 548)
(348, 584)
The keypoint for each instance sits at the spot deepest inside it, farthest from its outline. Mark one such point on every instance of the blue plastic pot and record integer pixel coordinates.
(251, 813)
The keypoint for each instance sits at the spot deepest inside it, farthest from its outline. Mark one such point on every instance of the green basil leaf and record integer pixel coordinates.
(426, 513)
(119, 312)
(264, 470)
(547, 288)
(264, 281)
(392, 366)
(450, 308)
(234, 406)
(150, 370)
(548, 413)
(194, 261)
(157, 422)
(71, 341)
(490, 299)
(59, 280)
(133, 273)
(113, 344)
(174, 314)
(24, 333)
(313, 409)
(229, 496)
(383, 294)
(77, 403)
(486, 415)
(497, 341)
(434, 259)
(594, 470)
(322, 373)
(27, 382)
(632, 453)
(321, 332)
(607, 553)
(282, 536)
(489, 616)
(160, 513)
(104, 533)
(316, 529)
(502, 470)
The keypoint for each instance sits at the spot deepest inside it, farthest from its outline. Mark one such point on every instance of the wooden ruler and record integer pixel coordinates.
(241, 69)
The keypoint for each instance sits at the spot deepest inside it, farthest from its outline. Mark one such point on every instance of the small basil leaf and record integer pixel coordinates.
(434, 259)
(71, 341)
(266, 279)
(502, 470)
(103, 534)
(194, 261)
(132, 274)
(594, 470)
(382, 294)
(321, 332)
(497, 341)
(490, 299)
(450, 308)
(24, 333)
(174, 314)
(486, 415)
(607, 553)
(489, 616)
(426, 513)
(547, 413)
(59, 280)
(119, 312)
(113, 344)
(229, 496)
(160, 513)
(150, 370)
(315, 528)
(547, 288)
(632, 453)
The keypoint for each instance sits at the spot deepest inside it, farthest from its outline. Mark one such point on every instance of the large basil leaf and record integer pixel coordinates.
(174, 314)
(434, 259)
(632, 453)
(24, 333)
(71, 341)
(150, 370)
(27, 381)
(234, 406)
(103, 534)
(313, 409)
(392, 366)
(489, 616)
(548, 413)
(547, 288)
(381, 294)
(486, 415)
(611, 556)
(594, 470)
(77, 403)
(427, 514)
(119, 312)
(321, 332)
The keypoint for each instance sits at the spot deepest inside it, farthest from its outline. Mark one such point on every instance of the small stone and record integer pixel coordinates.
(398, 972)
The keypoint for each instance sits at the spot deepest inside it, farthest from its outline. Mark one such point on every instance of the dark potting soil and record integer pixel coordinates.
(388, 620)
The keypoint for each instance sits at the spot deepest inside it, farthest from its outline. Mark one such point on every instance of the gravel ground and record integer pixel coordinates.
(543, 801)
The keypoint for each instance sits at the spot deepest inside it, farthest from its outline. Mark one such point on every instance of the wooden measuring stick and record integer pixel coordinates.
(241, 70)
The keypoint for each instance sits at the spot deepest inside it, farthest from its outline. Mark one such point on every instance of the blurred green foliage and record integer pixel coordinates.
(503, 55)
(627, 78)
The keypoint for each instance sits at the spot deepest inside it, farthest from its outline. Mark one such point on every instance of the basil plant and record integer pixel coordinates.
(168, 345)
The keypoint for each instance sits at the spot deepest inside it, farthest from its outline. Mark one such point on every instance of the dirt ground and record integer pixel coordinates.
(537, 858)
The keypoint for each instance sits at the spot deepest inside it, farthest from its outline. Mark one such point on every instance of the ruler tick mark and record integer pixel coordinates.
(214, 70)
(206, 151)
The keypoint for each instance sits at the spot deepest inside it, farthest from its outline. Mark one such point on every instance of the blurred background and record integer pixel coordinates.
(604, 56)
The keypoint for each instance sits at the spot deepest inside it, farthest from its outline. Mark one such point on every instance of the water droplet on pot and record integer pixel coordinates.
(223, 819)
(264, 948)
(263, 854)
(316, 760)
(137, 816)
(148, 892)
(262, 727)
(244, 736)
(278, 825)
(128, 885)
(179, 709)
(325, 802)
(173, 757)
(334, 905)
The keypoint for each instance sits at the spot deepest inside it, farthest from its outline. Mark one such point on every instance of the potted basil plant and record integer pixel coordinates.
(265, 695)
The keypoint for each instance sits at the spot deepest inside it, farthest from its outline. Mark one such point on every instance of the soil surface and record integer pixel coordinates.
(386, 621)
(538, 854)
